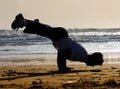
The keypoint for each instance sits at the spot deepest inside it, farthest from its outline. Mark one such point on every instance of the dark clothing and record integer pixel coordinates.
(67, 48)
(53, 33)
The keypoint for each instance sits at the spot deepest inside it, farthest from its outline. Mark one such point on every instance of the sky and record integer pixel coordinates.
(64, 13)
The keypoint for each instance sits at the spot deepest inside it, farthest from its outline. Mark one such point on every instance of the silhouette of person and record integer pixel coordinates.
(66, 47)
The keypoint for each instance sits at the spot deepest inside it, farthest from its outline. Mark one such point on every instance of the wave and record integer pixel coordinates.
(9, 37)
(94, 33)
(12, 42)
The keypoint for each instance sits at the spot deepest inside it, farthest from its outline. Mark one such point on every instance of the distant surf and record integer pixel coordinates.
(94, 40)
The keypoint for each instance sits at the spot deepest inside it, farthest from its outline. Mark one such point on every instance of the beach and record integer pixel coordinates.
(29, 61)
(39, 71)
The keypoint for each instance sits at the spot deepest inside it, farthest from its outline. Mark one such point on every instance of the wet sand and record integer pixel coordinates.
(42, 73)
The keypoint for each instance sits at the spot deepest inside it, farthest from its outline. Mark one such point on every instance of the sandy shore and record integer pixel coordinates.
(28, 59)
(38, 59)
(40, 72)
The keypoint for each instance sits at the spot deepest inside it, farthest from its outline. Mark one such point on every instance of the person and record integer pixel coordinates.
(66, 47)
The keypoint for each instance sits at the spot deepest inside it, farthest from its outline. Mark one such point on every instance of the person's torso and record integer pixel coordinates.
(78, 53)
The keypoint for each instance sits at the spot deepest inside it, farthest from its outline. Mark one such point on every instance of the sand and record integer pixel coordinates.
(40, 72)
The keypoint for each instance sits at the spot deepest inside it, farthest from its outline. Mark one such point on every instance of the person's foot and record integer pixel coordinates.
(19, 22)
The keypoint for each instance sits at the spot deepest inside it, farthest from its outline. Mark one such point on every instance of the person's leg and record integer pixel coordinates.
(32, 27)
(35, 28)
(53, 33)
(61, 60)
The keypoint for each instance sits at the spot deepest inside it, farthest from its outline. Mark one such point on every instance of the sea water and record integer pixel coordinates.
(93, 40)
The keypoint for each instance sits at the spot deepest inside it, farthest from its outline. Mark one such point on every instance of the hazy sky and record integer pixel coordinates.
(65, 13)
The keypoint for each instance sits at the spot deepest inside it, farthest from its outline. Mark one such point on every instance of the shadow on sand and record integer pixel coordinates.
(32, 74)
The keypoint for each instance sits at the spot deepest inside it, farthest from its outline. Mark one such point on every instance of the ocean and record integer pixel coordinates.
(93, 40)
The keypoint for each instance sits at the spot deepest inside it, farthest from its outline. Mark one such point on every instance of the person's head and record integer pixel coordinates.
(94, 59)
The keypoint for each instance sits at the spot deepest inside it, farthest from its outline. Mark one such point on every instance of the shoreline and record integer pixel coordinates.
(39, 71)
(28, 59)
(35, 59)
